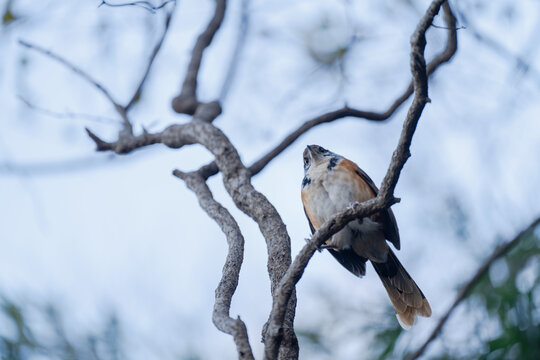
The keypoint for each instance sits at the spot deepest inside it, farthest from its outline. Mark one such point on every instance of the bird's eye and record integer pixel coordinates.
(306, 161)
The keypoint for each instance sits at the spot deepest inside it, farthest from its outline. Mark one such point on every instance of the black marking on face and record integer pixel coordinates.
(307, 160)
(333, 162)
(306, 181)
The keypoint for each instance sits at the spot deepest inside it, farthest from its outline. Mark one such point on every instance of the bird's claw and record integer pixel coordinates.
(327, 247)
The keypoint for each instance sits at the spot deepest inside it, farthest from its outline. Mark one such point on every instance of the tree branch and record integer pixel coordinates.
(186, 102)
(236, 178)
(444, 57)
(119, 109)
(469, 286)
(231, 269)
(384, 199)
(137, 94)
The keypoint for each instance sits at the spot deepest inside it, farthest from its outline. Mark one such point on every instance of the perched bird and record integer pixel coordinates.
(331, 183)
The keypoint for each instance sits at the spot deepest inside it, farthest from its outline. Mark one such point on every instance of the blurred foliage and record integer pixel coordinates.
(386, 340)
(513, 299)
(509, 297)
(8, 17)
(8, 14)
(25, 338)
(313, 339)
(31, 332)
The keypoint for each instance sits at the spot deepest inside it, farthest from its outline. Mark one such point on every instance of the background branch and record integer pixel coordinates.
(119, 109)
(147, 5)
(238, 48)
(469, 286)
(65, 115)
(186, 102)
(137, 94)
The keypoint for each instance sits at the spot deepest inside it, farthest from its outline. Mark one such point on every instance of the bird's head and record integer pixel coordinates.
(316, 157)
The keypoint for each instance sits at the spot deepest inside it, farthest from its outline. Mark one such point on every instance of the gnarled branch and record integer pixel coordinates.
(236, 178)
(231, 268)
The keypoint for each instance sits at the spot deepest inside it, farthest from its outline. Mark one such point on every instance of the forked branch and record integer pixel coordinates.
(231, 269)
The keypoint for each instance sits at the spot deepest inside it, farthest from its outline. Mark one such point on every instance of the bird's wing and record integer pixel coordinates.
(351, 261)
(348, 258)
(309, 221)
(386, 218)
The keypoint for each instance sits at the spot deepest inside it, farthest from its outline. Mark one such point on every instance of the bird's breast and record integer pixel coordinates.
(319, 207)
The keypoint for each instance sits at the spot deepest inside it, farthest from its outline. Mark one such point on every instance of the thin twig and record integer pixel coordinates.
(56, 167)
(186, 102)
(231, 269)
(384, 199)
(147, 5)
(119, 109)
(499, 48)
(237, 52)
(469, 286)
(138, 91)
(65, 115)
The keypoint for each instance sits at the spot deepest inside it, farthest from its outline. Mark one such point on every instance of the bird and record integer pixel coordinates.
(332, 183)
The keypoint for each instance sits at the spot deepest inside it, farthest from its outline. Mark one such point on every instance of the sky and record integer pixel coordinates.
(98, 234)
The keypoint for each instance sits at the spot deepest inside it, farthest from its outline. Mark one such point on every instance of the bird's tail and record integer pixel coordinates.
(406, 296)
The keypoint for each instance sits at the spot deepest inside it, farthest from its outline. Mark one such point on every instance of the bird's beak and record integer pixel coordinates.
(313, 153)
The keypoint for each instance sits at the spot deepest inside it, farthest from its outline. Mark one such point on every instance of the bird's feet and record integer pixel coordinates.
(328, 247)
(352, 205)
(320, 248)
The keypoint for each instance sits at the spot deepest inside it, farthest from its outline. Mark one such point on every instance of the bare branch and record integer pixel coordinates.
(186, 102)
(442, 58)
(119, 109)
(384, 199)
(236, 178)
(172, 136)
(65, 115)
(469, 286)
(231, 268)
(138, 91)
(147, 5)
